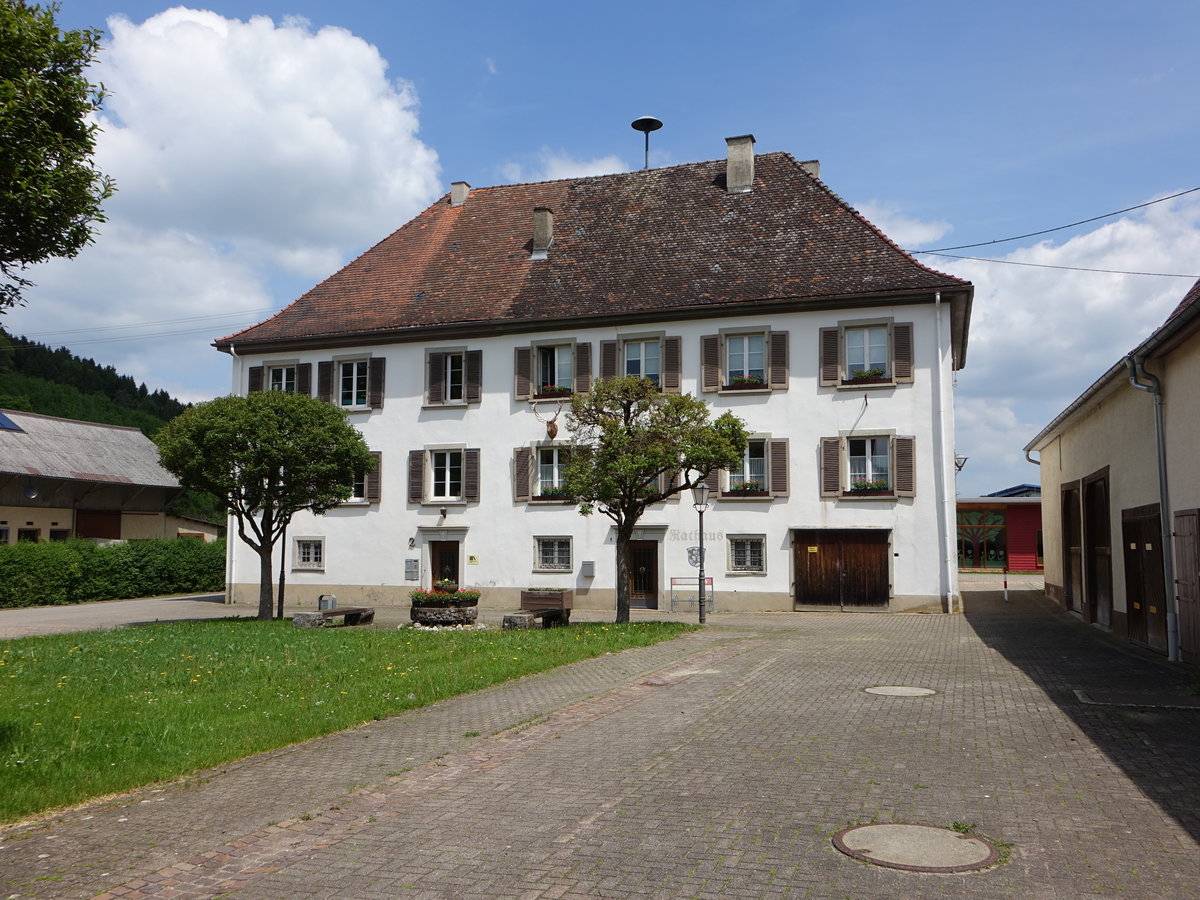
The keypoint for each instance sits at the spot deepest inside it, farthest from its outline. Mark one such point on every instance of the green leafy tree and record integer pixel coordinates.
(50, 193)
(633, 446)
(266, 456)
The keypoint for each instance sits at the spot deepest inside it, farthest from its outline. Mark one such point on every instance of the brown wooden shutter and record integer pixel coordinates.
(521, 371)
(583, 368)
(672, 364)
(831, 467)
(521, 458)
(254, 379)
(777, 455)
(416, 476)
(710, 362)
(471, 474)
(777, 360)
(713, 480)
(830, 356)
(325, 381)
(474, 364)
(902, 352)
(304, 379)
(904, 473)
(608, 359)
(436, 378)
(374, 477)
(375, 382)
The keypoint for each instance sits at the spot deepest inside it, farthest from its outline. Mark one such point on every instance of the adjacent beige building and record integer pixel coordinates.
(1121, 492)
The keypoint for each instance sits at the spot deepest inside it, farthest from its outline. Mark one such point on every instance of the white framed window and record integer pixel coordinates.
(869, 463)
(555, 368)
(643, 358)
(550, 470)
(282, 378)
(308, 553)
(745, 360)
(553, 554)
(867, 352)
(358, 488)
(747, 554)
(353, 379)
(750, 473)
(3, 536)
(446, 471)
(455, 369)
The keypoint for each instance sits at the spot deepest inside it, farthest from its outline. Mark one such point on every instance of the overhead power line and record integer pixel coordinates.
(1013, 262)
(1062, 228)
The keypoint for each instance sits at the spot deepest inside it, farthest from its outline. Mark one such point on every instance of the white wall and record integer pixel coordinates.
(366, 546)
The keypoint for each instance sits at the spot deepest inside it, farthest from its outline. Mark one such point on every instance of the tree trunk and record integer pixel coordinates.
(624, 536)
(265, 577)
(282, 563)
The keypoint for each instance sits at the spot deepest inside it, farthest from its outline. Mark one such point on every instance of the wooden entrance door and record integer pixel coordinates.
(1097, 551)
(443, 557)
(643, 574)
(1145, 599)
(1187, 583)
(841, 568)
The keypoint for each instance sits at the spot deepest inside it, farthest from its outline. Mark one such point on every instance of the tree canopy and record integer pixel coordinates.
(633, 446)
(266, 456)
(50, 193)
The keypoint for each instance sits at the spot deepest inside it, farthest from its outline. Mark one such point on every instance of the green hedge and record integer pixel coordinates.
(50, 573)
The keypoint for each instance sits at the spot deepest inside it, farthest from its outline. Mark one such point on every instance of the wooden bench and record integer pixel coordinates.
(353, 615)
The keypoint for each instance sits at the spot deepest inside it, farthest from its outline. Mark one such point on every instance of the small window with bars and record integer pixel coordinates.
(554, 554)
(747, 554)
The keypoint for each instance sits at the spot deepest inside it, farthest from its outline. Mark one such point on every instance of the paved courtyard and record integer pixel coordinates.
(719, 765)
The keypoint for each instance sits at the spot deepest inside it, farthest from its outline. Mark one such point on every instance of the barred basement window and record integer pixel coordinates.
(746, 554)
(308, 553)
(554, 554)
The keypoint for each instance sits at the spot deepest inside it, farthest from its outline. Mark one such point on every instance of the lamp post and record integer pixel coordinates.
(700, 504)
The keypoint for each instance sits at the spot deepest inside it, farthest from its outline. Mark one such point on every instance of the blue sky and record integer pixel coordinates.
(255, 156)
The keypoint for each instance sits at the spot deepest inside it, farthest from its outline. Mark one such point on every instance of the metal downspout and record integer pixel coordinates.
(1137, 370)
(944, 499)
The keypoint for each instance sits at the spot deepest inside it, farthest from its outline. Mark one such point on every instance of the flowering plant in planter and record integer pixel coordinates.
(745, 487)
(747, 381)
(862, 485)
(552, 492)
(866, 375)
(436, 598)
(553, 390)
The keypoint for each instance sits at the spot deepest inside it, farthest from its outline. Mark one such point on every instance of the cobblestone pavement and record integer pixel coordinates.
(718, 765)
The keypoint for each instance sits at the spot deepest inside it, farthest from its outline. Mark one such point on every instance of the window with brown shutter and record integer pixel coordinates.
(710, 363)
(905, 474)
(435, 378)
(474, 376)
(325, 381)
(831, 467)
(471, 474)
(378, 366)
(672, 364)
(868, 353)
(521, 481)
(608, 359)
(777, 360)
(583, 368)
(254, 379)
(304, 379)
(375, 478)
(522, 365)
(777, 467)
(416, 476)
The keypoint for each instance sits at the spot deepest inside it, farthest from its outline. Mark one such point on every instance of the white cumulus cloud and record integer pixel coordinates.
(552, 165)
(251, 159)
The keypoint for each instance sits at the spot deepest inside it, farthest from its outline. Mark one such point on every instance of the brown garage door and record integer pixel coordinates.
(90, 523)
(846, 569)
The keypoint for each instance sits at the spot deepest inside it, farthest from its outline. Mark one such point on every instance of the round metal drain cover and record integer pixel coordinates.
(900, 690)
(916, 848)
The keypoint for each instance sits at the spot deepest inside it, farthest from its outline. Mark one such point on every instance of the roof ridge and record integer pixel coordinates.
(23, 412)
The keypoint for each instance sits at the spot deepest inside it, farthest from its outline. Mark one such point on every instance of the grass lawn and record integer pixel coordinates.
(83, 715)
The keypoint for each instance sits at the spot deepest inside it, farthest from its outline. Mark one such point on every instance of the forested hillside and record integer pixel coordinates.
(35, 378)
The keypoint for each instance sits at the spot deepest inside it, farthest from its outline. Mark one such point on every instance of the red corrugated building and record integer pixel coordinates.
(1001, 530)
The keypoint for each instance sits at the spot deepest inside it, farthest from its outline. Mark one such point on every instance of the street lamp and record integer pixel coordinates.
(700, 504)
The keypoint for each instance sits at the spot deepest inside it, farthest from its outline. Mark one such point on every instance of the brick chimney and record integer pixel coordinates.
(543, 232)
(458, 192)
(739, 172)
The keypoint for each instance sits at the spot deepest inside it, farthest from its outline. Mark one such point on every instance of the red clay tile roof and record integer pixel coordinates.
(654, 240)
(1192, 296)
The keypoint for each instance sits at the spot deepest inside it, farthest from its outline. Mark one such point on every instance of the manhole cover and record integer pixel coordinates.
(916, 848)
(900, 690)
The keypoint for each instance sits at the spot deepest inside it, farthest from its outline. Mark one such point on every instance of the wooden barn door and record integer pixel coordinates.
(1097, 550)
(1187, 583)
(1145, 599)
(1072, 550)
(841, 568)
